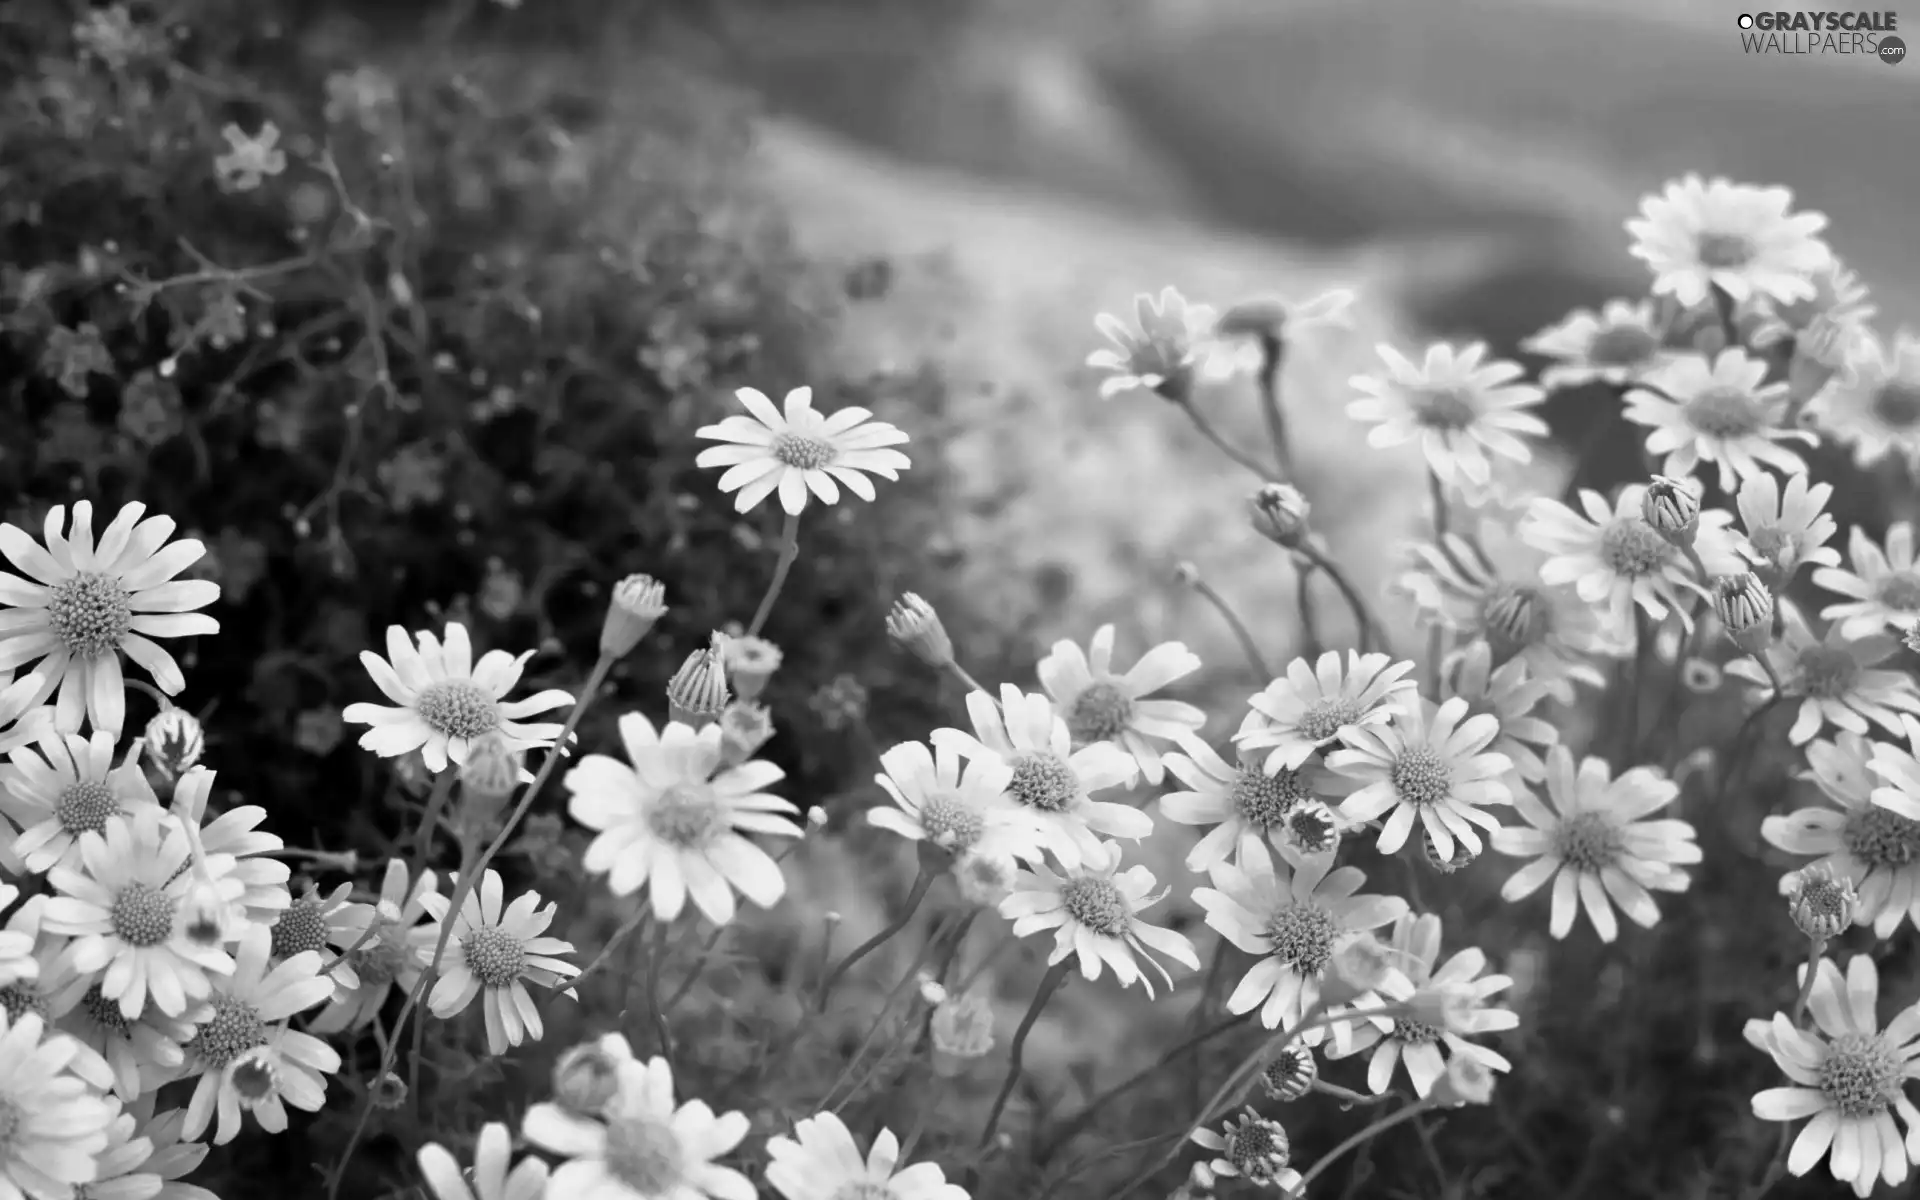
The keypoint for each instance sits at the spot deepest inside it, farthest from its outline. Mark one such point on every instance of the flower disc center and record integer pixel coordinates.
(91, 614)
(1094, 901)
(1101, 713)
(458, 708)
(1633, 548)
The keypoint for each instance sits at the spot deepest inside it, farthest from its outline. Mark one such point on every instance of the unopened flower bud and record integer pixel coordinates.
(1257, 1147)
(961, 1029)
(744, 728)
(388, 1092)
(1279, 514)
(1466, 1080)
(1462, 856)
(1291, 1074)
(698, 692)
(1822, 904)
(1672, 507)
(174, 741)
(984, 880)
(1311, 828)
(492, 770)
(254, 1076)
(1361, 964)
(914, 624)
(1186, 573)
(750, 662)
(1744, 607)
(1513, 620)
(638, 601)
(588, 1075)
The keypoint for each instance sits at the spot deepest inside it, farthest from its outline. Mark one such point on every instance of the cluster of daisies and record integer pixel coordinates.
(162, 982)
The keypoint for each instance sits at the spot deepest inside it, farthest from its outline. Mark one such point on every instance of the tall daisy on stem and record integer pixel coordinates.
(1459, 408)
(800, 453)
(1104, 705)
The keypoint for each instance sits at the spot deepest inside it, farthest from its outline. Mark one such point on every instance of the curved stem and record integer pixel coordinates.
(1814, 953)
(789, 550)
(1272, 349)
(960, 673)
(699, 968)
(1225, 447)
(1240, 631)
(656, 964)
(1363, 615)
(469, 876)
(1084, 1117)
(640, 911)
(1349, 1098)
(921, 883)
(1736, 757)
(429, 823)
(1378, 1127)
(1050, 983)
(1303, 600)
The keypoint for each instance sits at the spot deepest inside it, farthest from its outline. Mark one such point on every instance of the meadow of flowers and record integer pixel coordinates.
(614, 1008)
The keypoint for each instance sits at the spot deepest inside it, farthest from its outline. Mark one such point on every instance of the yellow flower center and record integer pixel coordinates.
(1588, 841)
(91, 614)
(1101, 713)
(495, 956)
(1420, 776)
(457, 708)
(1094, 901)
(804, 453)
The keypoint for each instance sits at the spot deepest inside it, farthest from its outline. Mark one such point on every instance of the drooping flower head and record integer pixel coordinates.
(1104, 705)
(672, 820)
(1459, 408)
(801, 452)
(443, 701)
(84, 604)
(1170, 344)
(1596, 841)
(386, 947)
(1698, 234)
(1310, 707)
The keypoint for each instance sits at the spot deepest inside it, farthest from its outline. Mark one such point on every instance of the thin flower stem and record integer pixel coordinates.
(789, 550)
(430, 822)
(1737, 755)
(699, 967)
(1814, 954)
(1643, 646)
(960, 673)
(1084, 1117)
(859, 1054)
(1050, 983)
(640, 912)
(1773, 672)
(921, 883)
(1349, 1098)
(1248, 646)
(1374, 1130)
(656, 968)
(1225, 447)
(469, 877)
(1370, 630)
(1303, 599)
(987, 960)
(1272, 351)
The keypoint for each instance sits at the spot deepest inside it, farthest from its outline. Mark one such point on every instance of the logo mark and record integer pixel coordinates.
(1746, 21)
(1892, 49)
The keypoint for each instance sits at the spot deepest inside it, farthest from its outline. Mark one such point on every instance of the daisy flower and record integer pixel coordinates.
(1612, 558)
(1699, 235)
(18, 961)
(962, 807)
(1101, 705)
(1094, 910)
(1170, 344)
(138, 1055)
(489, 1178)
(1249, 323)
(1720, 412)
(1849, 1075)
(1458, 408)
(1883, 586)
(1616, 346)
(495, 950)
(1509, 695)
(1309, 707)
(245, 1056)
(1291, 917)
(122, 1172)
(125, 909)
(1486, 587)
(1871, 845)
(66, 786)
(1782, 531)
(821, 1161)
(800, 453)
(1874, 405)
(1051, 780)
(1837, 680)
(42, 979)
(235, 840)
(1253, 1148)
(1430, 766)
(1597, 845)
(675, 822)
(1835, 319)
(86, 603)
(1245, 805)
(443, 701)
(172, 1159)
(1898, 772)
(645, 1148)
(394, 955)
(57, 1126)
(317, 921)
(1400, 1039)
